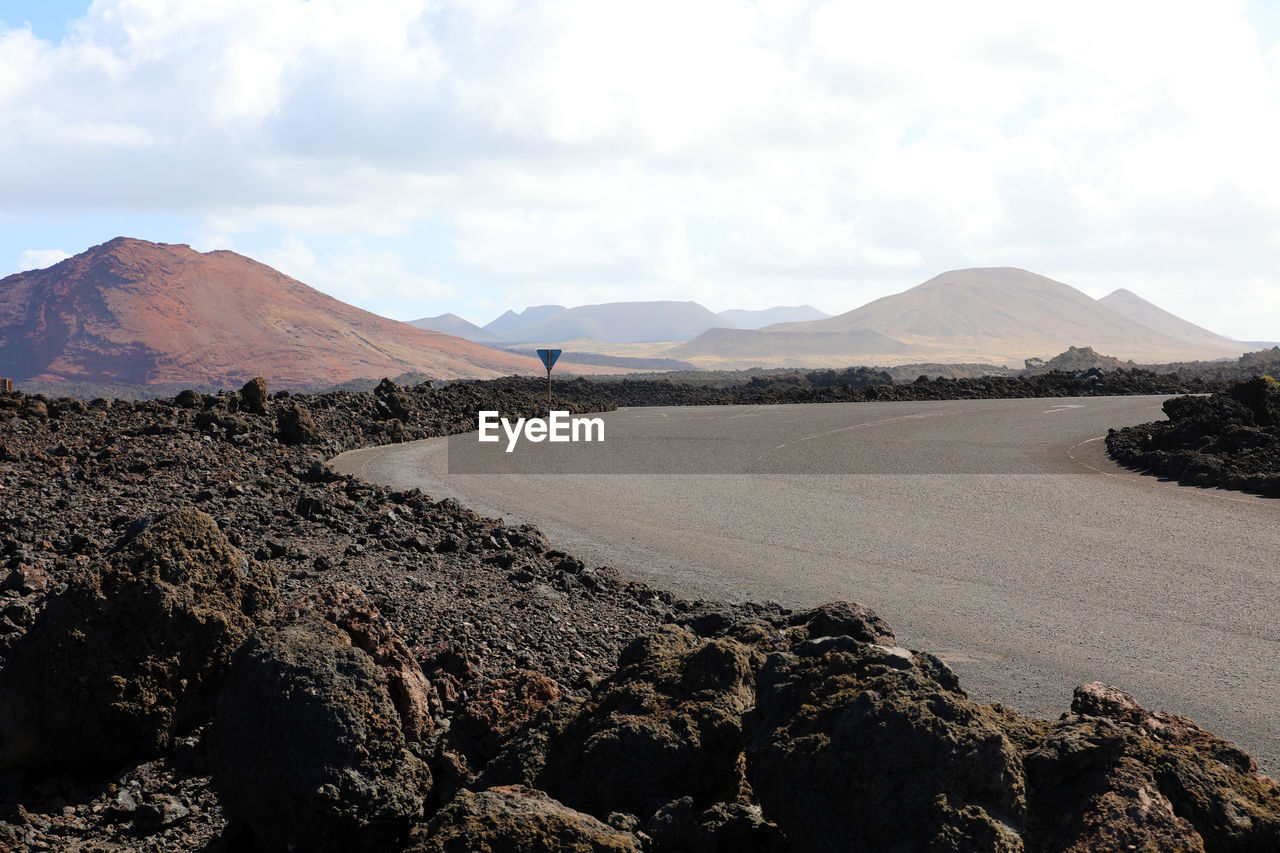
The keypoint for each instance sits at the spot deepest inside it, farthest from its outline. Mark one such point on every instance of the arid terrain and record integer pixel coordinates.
(284, 657)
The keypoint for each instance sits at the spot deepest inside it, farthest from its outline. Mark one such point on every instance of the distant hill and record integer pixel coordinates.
(1077, 359)
(616, 322)
(742, 348)
(452, 324)
(514, 320)
(1139, 310)
(1004, 315)
(131, 311)
(745, 319)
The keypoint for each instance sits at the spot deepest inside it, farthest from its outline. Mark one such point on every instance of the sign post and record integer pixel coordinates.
(548, 357)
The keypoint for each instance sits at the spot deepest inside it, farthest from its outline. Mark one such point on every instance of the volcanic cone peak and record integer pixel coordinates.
(139, 312)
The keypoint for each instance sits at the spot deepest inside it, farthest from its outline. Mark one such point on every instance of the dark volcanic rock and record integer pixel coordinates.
(189, 399)
(517, 819)
(307, 748)
(1230, 440)
(34, 409)
(1096, 699)
(486, 716)
(667, 724)
(848, 619)
(413, 696)
(1089, 796)
(724, 828)
(392, 401)
(295, 425)
(26, 580)
(501, 706)
(254, 397)
(853, 743)
(134, 650)
(1113, 774)
(856, 747)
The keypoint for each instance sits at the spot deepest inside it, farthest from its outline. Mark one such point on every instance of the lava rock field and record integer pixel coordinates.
(210, 641)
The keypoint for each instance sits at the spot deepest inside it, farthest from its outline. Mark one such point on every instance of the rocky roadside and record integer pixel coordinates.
(211, 642)
(856, 385)
(1228, 440)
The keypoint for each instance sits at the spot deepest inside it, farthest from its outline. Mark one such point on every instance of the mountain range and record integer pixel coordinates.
(996, 315)
(131, 311)
(136, 312)
(613, 322)
(999, 315)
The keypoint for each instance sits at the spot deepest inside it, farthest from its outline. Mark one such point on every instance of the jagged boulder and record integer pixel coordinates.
(189, 399)
(1259, 396)
(34, 409)
(134, 650)
(517, 819)
(1112, 776)
(1088, 796)
(254, 397)
(678, 827)
(858, 746)
(667, 724)
(295, 425)
(411, 693)
(307, 749)
(485, 717)
(500, 706)
(844, 619)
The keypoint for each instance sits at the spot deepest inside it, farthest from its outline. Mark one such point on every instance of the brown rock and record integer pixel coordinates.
(253, 396)
(516, 819)
(483, 723)
(723, 828)
(1088, 796)
(295, 425)
(667, 724)
(846, 618)
(26, 580)
(412, 694)
(858, 747)
(1107, 775)
(1096, 699)
(502, 705)
(135, 649)
(448, 668)
(189, 399)
(34, 409)
(306, 747)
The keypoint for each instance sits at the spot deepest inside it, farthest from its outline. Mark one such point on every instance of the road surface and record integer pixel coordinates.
(994, 533)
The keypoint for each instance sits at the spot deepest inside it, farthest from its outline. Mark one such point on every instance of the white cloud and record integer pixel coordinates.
(383, 282)
(38, 259)
(782, 151)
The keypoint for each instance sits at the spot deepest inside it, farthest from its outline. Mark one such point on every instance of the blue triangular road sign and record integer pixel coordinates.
(548, 357)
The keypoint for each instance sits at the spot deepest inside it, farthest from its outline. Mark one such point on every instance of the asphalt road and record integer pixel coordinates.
(994, 533)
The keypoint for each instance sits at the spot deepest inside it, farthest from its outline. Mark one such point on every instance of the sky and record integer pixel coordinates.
(417, 157)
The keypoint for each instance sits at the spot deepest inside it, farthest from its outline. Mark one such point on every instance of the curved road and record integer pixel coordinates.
(994, 533)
